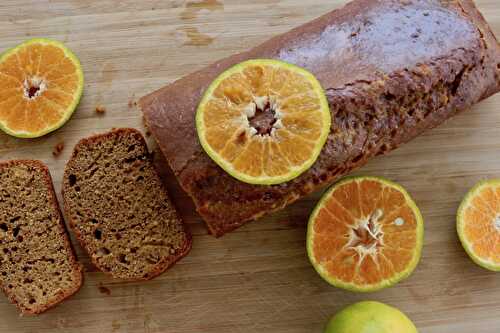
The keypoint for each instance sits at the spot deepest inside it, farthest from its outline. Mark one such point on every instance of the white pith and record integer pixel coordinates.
(399, 221)
(34, 81)
(355, 242)
(259, 102)
(496, 222)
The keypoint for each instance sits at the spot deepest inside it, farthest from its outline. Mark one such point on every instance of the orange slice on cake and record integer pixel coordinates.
(264, 121)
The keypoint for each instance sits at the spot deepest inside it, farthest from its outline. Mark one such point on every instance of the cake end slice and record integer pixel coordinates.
(38, 267)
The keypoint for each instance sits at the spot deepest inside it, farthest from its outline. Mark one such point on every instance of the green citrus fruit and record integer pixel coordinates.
(370, 317)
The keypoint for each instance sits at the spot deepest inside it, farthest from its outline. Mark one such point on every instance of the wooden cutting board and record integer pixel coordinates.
(256, 279)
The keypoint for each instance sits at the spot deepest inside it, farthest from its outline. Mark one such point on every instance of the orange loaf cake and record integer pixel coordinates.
(391, 69)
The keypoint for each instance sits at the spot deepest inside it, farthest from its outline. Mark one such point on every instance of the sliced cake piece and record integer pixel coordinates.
(38, 268)
(118, 208)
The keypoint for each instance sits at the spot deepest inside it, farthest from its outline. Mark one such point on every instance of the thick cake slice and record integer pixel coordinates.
(38, 268)
(119, 209)
(391, 69)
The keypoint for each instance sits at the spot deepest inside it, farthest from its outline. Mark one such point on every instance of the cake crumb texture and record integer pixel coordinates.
(38, 268)
(119, 209)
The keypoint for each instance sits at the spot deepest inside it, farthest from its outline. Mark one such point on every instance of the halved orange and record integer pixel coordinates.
(264, 121)
(365, 234)
(478, 224)
(41, 83)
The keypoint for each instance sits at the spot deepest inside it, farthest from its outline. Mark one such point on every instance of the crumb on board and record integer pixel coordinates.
(58, 148)
(100, 109)
(132, 103)
(104, 290)
(148, 132)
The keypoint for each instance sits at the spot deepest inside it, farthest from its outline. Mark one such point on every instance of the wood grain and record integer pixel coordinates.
(258, 278)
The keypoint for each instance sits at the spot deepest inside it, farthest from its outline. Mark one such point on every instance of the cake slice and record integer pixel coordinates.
(118, 208)
(38, 268)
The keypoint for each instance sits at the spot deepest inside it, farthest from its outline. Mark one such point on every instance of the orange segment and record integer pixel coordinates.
(478, 224)
(250, 160)
(304, 124)
(370, 193)
(275, 163)
(348, 196)
(41, 83)
(368, 271)
(264, 121)
(342, 265)
(365, 234)
(294, 148)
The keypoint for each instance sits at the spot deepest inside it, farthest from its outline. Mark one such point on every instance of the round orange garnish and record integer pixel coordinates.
(264, 121)
(41, 82)
(365, 234)
(478, 224)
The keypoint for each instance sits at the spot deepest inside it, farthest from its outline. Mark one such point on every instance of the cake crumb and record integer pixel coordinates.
(104, 290)
(100, 109)
(132, 102)
(148, 132)
(58, 148)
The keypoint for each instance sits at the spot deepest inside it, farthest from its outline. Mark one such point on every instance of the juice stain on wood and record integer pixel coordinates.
(115, 325)
(195, 37)
(194, 7)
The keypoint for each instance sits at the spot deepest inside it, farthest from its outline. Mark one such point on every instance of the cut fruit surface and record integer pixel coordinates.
(478, 224)
(264, 121)
(41, 83)
(365, 234)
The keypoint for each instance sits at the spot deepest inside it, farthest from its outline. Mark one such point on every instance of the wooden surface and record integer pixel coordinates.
(258, 278)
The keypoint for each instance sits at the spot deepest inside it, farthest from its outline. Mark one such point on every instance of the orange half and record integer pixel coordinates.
(264, 121)
(41, 83)
(365, 234)
(478, 224)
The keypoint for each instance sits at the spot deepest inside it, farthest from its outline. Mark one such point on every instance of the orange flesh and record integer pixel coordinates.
(285, 142)
(354, 254)
(37, 87)
(482, 224)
